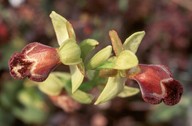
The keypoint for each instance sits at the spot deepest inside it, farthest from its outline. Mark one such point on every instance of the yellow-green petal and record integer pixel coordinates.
(76, 77)
(132, 42)
(126, 60)
(100, 57)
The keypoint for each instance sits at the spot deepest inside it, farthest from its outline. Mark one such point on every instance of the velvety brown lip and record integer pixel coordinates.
(157, 85)
(35, 61)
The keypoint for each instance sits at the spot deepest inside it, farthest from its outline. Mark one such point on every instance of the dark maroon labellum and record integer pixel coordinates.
(157, 85)
(35, 61)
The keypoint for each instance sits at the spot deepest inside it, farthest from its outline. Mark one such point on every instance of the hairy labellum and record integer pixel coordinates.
(157, 84)
(35, 61)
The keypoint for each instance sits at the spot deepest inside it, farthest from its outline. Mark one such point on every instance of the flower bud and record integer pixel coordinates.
(35, 61)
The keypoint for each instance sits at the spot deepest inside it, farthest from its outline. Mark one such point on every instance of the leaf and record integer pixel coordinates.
(30, 96)
(76, 77)
(132, 42)
(32, 102)
(126, 60)
(31, 115)
(128, 91)
(70, 52)
(113, 87)
(9, 89)
(62, 27)
(6, 117)
(87, 46)
(100, 57)
(116, 42)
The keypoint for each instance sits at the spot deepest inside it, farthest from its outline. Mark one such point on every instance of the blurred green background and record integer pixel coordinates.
(168, 41)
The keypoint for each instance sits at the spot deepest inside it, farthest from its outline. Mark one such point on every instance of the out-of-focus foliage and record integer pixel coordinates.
(162, 113)
(9, 49)
(25, 103)
(167, 41)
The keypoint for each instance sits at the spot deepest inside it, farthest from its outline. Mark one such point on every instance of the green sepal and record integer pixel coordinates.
(126, 60)
(82, 97)
(51, 86)
(70, 30)
(113, 87)
(132, 42)
(87, 46)
(99, 58)
(62, 27)
(128, 92)
(116, 42)
(76, 77)
(70, 52)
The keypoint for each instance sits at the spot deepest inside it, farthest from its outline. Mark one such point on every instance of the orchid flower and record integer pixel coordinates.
(37, 61)
(155, 81)
(157, 84)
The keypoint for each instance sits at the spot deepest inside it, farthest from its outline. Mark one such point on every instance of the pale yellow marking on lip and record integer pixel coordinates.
(34, 62)
(163, 90)
(16, 70)
(161, 84)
